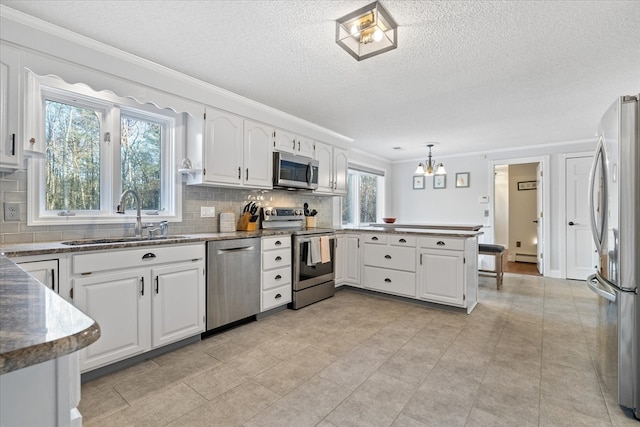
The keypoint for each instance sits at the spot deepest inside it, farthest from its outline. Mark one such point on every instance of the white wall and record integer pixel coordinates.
(501, 205)
(461, 205)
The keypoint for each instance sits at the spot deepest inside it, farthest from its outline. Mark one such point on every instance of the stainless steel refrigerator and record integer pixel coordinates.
(615, 222)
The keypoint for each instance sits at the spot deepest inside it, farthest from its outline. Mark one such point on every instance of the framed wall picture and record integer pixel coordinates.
(418, 182)
(439, 181)
(462, 179)
(527, 185)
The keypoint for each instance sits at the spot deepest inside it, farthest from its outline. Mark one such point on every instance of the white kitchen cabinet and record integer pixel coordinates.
(46, 271)
(142, 298)
(332, 170)
(230, 151)
(120, 303)
(276, 272)
(289, 142)
(10, 108)
(389, 265)
(447, 271)
(258, 161)
(178, 302)
(348, 260)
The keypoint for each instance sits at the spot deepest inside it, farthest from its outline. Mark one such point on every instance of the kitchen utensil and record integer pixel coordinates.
(253, 209)
(313, 213)
(254, 218)
(306, 209)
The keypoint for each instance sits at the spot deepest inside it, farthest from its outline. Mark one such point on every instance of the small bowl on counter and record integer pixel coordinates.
(389, 220)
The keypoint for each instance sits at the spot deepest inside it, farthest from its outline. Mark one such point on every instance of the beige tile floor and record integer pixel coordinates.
(520, 359)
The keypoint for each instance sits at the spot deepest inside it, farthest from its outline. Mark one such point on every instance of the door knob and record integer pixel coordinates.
(535, 220)
(572, 223)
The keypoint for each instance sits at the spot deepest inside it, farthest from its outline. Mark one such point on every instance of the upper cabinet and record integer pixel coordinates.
(288, 142)
(10, 146)
(231, 151)
(332, 170)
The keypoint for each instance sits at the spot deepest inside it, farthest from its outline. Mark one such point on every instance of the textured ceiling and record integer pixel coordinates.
(472, 76)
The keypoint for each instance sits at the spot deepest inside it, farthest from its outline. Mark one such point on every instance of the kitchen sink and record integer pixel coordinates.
(119, 240)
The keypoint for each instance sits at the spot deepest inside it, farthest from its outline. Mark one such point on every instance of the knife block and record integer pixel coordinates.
(245, 225)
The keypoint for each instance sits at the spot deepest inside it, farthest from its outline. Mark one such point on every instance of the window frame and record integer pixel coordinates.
(112, 107)
(358, 171)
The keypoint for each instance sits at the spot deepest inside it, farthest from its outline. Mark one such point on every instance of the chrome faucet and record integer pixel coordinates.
(120, 209)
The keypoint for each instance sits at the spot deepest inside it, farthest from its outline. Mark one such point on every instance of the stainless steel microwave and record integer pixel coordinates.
(291, 171)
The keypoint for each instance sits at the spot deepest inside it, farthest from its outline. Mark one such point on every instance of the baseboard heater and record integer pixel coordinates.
(532, 258)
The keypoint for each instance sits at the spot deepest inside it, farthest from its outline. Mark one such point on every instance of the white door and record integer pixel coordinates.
(223, 148)
(324, 156)
(178, 302)
(120, 303)
(258, 170)
(539, 218)
(579, 240)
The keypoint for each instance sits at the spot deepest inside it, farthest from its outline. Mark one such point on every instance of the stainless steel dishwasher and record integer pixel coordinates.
(233, 281)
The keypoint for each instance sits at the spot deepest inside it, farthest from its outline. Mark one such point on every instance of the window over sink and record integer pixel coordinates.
(97, 145)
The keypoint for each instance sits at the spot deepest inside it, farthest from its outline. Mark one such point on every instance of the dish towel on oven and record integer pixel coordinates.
(313, 254)
(325, 252)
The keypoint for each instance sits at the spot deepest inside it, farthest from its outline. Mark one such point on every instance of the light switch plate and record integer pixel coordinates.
(11, 211)
(207, 211)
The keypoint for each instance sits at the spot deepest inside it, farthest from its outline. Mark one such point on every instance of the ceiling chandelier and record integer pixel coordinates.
(367, 32)
(430, 168)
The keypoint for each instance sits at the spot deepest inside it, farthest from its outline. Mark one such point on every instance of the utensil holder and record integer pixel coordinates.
(244, 224)
(311, 222)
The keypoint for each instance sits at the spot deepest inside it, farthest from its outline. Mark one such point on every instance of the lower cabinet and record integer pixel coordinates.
(348, 260)
(156, 297)
(276, 272)
(46, 271)
(447, 271)
(390, 264)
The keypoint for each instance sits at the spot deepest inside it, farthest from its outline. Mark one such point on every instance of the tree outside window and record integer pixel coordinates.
(364, 201)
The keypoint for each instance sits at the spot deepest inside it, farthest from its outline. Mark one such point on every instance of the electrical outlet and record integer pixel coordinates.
(11, 211)
(207, 212)
(518, 244)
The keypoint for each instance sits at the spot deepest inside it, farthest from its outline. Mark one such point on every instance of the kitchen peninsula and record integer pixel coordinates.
(40, 334)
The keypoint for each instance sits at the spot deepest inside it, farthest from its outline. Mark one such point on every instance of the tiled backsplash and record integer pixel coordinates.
(13, 188)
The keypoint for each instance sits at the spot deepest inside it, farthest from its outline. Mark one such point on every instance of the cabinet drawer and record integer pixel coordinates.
(127, 258)
(380, 239)
(442, 243)
(276, 297)
(400, 240)
(394, 257)
(391, 281)
(280, 242)
(276, 258)
(278, 277)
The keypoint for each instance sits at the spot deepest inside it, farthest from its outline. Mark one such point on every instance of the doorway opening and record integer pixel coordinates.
(519, 213)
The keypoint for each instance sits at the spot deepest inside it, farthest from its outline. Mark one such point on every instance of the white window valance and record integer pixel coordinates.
(99, 81)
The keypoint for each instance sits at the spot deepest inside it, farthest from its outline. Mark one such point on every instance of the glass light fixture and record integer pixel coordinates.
(367, 32)
(430, 167)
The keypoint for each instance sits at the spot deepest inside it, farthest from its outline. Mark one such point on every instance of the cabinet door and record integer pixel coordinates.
(341, 259)
(223, 149)
(284, 141)
(178, 308)
(340, 170)
(258, 160)
(45, 271)
(441, 277)
(324, 156)
(352, 261)
(10, 148)
(120, 303)
(305, 146)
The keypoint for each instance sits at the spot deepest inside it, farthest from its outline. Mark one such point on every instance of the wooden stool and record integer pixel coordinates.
(498, 252)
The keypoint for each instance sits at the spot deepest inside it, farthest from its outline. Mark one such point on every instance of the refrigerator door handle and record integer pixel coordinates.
(601, 288)
(599, 225)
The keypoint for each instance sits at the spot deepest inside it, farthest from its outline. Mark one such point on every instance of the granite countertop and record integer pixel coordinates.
(417, 230)
(42, 248)
(36, 324)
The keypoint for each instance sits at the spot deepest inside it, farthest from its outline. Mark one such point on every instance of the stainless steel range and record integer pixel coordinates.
(313, 255)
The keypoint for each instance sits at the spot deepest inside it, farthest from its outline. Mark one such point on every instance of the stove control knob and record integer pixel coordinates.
(298, 211)
(267, 212)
